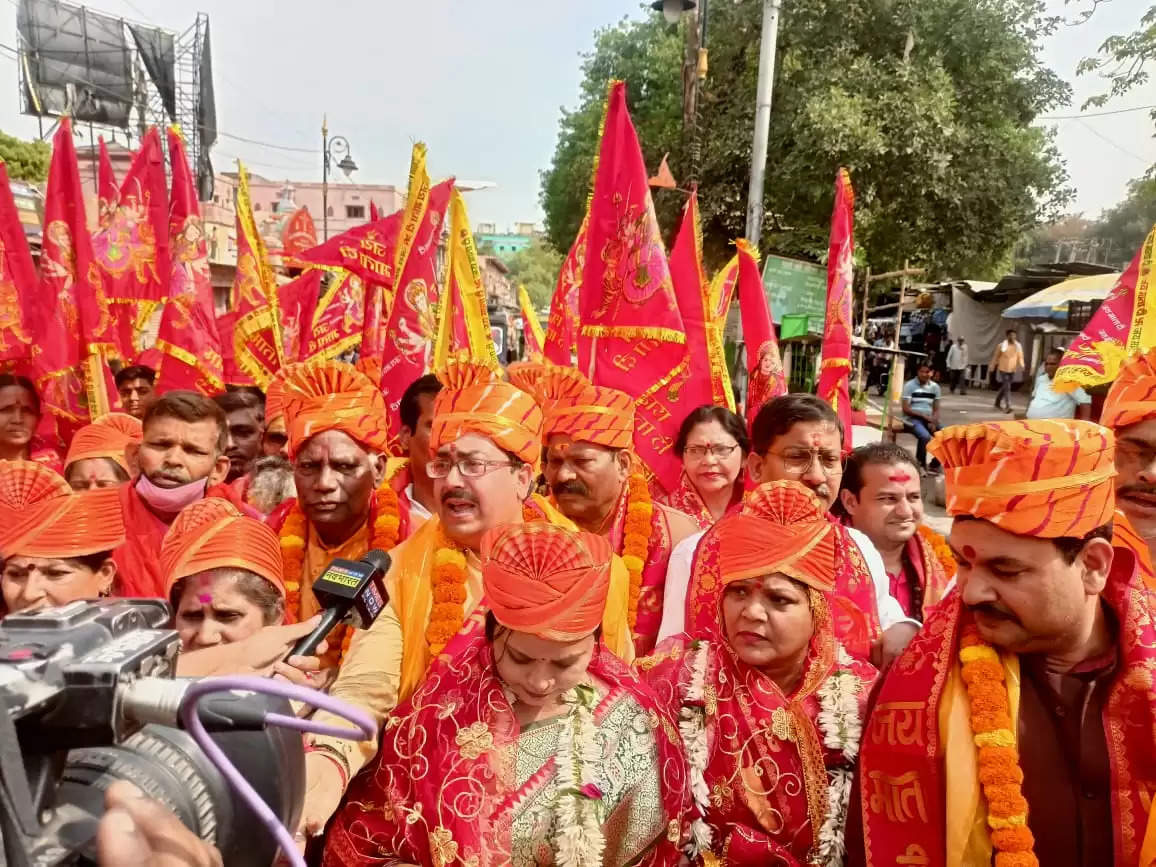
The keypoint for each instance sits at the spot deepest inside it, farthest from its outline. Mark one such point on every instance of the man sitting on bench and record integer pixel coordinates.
(921, 412)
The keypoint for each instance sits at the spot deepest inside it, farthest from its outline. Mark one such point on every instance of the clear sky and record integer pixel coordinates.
(482, 83)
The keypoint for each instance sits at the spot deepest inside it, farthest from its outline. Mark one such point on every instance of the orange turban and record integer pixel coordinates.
(475, 400)
(107, 437)
(781, 528)
(41, 516)
(575, 408)
(275, 398)
(1132, 398)
(212, 534)
(546, 580)
(1033, 478)
(331, 395)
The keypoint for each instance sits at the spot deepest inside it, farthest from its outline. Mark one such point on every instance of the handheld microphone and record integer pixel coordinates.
(347, 588)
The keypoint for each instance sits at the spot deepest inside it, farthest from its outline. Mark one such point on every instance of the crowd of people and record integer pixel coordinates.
(777, 662)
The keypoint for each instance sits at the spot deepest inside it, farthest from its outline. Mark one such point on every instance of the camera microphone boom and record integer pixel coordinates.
(347, 587)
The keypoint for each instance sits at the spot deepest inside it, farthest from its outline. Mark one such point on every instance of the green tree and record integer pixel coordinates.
(25, 160)
(536, 267)
(929, 103)
(1122, 58)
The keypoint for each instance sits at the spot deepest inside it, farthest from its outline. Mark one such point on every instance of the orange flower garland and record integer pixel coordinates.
(449, 596)
(999, 763)
(385, 523)
(941, 550)
(636, 538)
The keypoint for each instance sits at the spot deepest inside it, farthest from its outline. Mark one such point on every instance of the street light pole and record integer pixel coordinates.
(324, 179)
(762, 120)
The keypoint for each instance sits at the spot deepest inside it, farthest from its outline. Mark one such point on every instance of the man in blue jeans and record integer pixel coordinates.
(921, 411)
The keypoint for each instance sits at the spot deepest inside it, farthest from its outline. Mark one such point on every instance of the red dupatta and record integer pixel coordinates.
(686, 499)
(441, 789)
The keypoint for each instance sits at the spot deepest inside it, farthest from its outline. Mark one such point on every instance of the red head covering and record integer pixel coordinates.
(574, 407)
(1033, 478)
(475, 400)
(41, 516)
(107, 437)
(546, 580)
(331, 395)
(212, 534)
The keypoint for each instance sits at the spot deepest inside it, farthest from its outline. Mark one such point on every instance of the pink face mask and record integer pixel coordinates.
(170, 500)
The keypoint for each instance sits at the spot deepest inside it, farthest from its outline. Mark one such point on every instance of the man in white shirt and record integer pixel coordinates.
(957, 365)
(1049, 403)
(798, 437)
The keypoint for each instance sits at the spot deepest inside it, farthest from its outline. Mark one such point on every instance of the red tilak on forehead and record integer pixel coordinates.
(969, 552)
(205, 598)
(900, 477)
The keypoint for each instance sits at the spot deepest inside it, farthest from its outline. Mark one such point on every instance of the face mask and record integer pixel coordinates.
(170, 500)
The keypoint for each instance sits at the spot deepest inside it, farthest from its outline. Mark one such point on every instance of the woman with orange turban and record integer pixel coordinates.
(97, 456)
(55, 544)
(531, 743)
(770, 705)
(223, 573)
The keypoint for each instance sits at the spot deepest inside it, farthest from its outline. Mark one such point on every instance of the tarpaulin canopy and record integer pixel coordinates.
(1052, 302)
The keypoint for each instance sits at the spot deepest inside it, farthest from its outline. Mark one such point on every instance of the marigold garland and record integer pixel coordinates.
(636, 538)
(385, 524)
(999, 765)
(448, 612)
(941, 550)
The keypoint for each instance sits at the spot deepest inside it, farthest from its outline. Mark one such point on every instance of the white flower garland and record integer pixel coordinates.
(692, 729)
(842, 727)
(580, 841)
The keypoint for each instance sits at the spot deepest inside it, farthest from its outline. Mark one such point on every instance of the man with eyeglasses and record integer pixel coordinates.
(594, 478)
(484, 439)
(1130, 411)
(798, 437)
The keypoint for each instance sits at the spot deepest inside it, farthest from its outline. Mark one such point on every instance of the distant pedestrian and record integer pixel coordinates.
(957, 366)
(1008, 358)
(1049, 403)
(921, 411)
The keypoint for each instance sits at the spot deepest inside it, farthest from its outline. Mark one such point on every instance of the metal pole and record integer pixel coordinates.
(762, 120)
(324, 179)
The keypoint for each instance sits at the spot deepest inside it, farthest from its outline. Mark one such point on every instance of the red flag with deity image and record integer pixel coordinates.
(18, 319)
(330, 311)
(299, 235)
(257, 346)
(835, 370)
(190, 346)
(766, 379)
(133, 248)
(631, 335)
(107, 190)
(562, 326)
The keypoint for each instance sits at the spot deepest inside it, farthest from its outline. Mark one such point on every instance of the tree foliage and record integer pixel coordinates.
(25, 160)
(1122, 58)
(536, 267)
(929, 103)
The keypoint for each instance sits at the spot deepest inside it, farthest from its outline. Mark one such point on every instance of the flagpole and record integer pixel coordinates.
(766, 88)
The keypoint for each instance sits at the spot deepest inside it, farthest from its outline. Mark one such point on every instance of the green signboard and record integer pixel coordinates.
(794, 287)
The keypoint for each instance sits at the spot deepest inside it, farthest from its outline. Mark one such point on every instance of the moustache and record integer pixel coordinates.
(462, 494)
(575, 487)
(996, 612)
(1145, 490)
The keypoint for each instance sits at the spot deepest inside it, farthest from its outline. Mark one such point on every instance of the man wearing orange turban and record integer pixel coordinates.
(596, 482)
(1042, 656)
(484, 441)
(98, 454)
(55, 544)
(1130, 411)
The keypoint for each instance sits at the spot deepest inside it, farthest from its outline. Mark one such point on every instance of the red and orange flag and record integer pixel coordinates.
(765, 377)
(703, 311)
(374, 214)
(531, 328)
(835, 371)
(299, 235)
(562, 326)
(107, 190)
(257, 345)
(133, 248)
(463, 321)
(412, 323)
(188, 340)
(1124, 325)
(632, 336)
(17, 280)
(330, 317)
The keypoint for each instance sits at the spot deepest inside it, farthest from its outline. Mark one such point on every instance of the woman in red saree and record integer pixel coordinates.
(713, 445)
(770, 706)
(529, 743)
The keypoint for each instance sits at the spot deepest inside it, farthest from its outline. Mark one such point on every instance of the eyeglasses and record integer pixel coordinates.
(470, 468)
(799, 460)
(716, 450)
